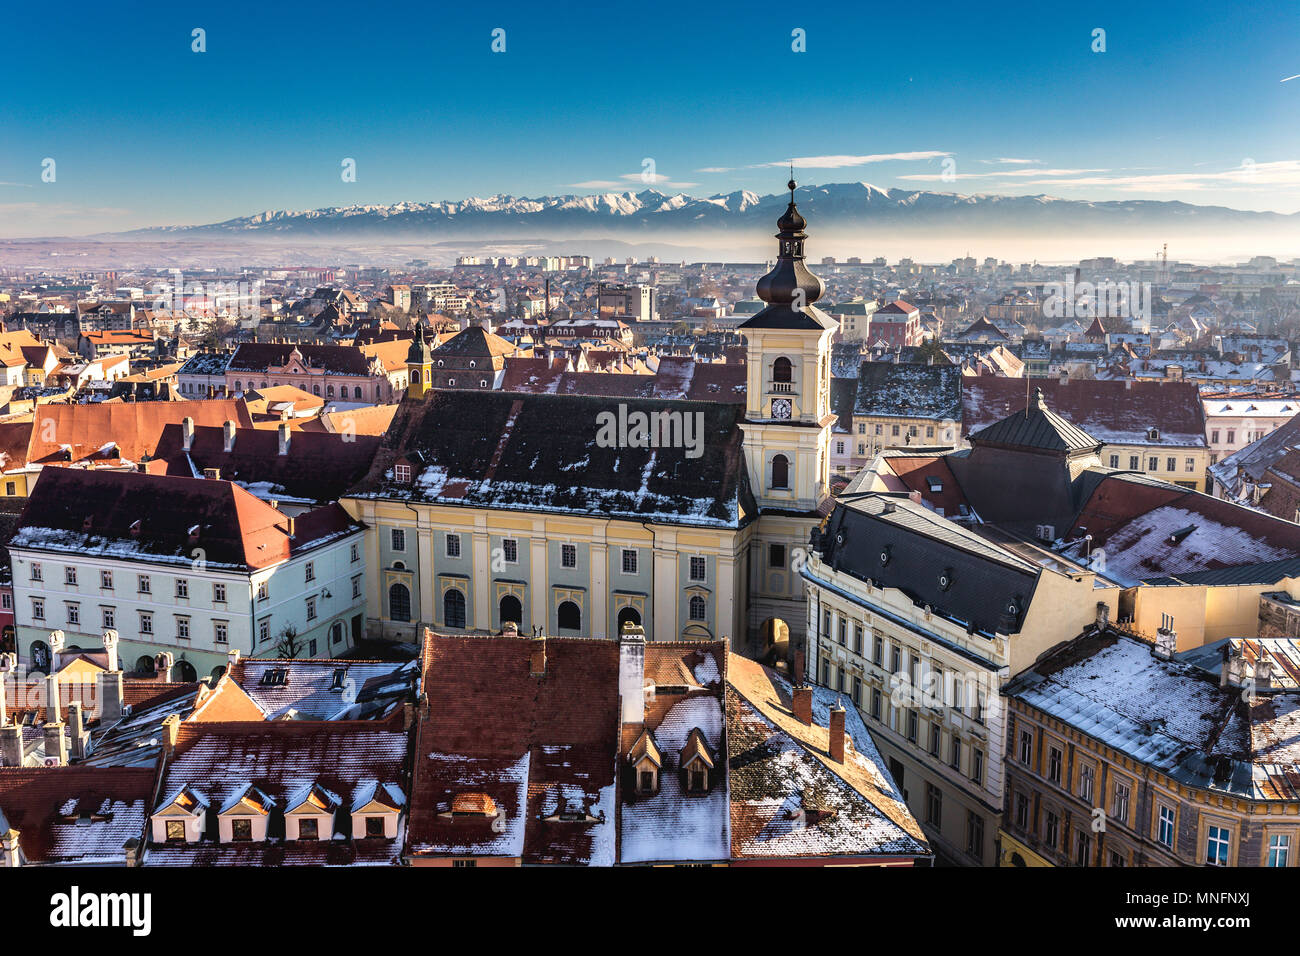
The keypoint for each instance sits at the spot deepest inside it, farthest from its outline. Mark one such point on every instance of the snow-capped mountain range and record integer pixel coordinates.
(830, 208)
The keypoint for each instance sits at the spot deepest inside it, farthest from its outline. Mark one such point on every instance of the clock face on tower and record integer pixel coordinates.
(781, 408)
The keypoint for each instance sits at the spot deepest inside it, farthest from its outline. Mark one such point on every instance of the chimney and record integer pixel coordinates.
(232, 658)
(1128, 384)
(9, 849)
(292, 526)
(283, 430)
(537, 662)
(187, 433)
(1166, 643)
(6, 668)
(162, 665)
(171, 728)
(11, 745)
(509, 629)
(110, 698)
(1065, 377)
(110, 649)
(631, 675)
(77, 726)
(53, 706)
(228, 435)
(56, 743)
(212, 474)
(1103, 615)
(837, 732)
(55, 641)
(802, 706)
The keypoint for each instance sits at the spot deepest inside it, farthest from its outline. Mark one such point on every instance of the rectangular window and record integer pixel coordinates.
(826, 672)
(699, 569)
(374, 826)
(1165, 827)
(183, 628)
(1214, 437)
(569, 556)
(1054, 765)
(263, 590)
(1026, 747)
(356, 587)
(1119, 802)
(7, 601)
(977, 765)
(936, 734)
(1022, 811)
(510, 550)
(175, 831)
(629, 561)
(1114, 461)
(221, 632)
(1171, 464)
(1133, 462)
(1051, 829)
(241, 830)
(1153, 463)
(1217, 842)
(877, 648)
(38, 609)
(143, 585)
(309, 572)
(933, 805)
(1279, 849)
(857, 691)
(875, 703)
(70, 576)
(954, 755)
(146, 622)
(264, 630)
(453, 546)
(36, 571)
(1087, 777)
(1191, 464)
(857, 639)
(912, 722)
(402, 473)
(311, 608)
(74, 613)
(843, 632)
(182, 587)
(308, 829)
(108, 616)
(1116, 858)
(218, 593)
(975, 836)
(397, 538)
(776, 556)
(1082, 848)
(354, 553)
(1232, 436)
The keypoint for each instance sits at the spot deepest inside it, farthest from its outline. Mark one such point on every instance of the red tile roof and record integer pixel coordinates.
(44, 805)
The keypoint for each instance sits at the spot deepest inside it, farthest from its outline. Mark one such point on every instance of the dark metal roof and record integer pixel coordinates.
(1037, 427)
(909, 391)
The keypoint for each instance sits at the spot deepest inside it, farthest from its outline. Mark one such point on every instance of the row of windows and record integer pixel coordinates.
(144, 582)
(974, 822)
(1153, 463)
(315, 389)
(568, 554)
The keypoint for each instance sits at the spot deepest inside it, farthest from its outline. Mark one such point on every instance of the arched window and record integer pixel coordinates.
(42, 659)
(238, 384)
(217, 673)
(356, 392)
(629, 615)
(185, 672)
(782, 370)
(415, 376)
(780, 472)
(315, 389)
(399, 603)
(453, 609)
(511, 609)
(569, 616)
(329, 391)
(144, 665)
(336, 633)
(698, 608)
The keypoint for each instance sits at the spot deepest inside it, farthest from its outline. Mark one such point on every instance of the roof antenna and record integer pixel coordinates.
(791, 183)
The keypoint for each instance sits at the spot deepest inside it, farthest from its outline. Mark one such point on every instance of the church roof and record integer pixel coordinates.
(1039, 428)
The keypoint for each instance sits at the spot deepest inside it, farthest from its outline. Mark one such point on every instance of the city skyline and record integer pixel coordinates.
(1011, 102)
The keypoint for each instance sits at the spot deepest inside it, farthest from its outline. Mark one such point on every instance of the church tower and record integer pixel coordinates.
(787, 428)
(419, 365)
(787, 414)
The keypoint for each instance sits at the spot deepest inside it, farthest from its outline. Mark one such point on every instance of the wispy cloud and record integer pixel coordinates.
(999, 174)
(1009, 162)
(841, 161)
(1288, 79)
(716, 169)
(646, 179)
(1247, 175)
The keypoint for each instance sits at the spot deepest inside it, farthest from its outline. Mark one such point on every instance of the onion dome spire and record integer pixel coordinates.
(790, 282)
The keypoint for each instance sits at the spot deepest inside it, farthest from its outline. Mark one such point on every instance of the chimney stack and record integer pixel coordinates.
(56, 743)
(228, 437)
(537, 662)
(171, 728)
(53, 706)
(187, 433)
(110, 698)
(631, 675)
(1103, 615)
(283, 430)
(55, 641)
(77, 726)
(110, 649)
(9, 849)
(162, 665)
(837, 732)
(802, 706)
(232, 658)
(1166, 643)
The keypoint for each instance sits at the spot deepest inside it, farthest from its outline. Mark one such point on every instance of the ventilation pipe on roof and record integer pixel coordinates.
(1166, 643)
(77, 727)
(162, 664)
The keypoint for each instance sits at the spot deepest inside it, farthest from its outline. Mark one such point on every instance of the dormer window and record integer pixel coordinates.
(241, 830)
(646, 761)
(696, 762)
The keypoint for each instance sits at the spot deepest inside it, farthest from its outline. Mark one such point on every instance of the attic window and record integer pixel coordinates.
(935, 484)
(275, 677)
(885, 555)
(473, 805)
(1153, 434)
(945, 579)
(339, 675)
(1181, 533)
(402, 473)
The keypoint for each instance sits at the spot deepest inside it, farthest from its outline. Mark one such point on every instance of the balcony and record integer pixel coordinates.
(782, 388)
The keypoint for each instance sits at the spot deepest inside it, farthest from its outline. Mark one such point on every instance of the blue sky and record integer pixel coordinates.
(1187, 102)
